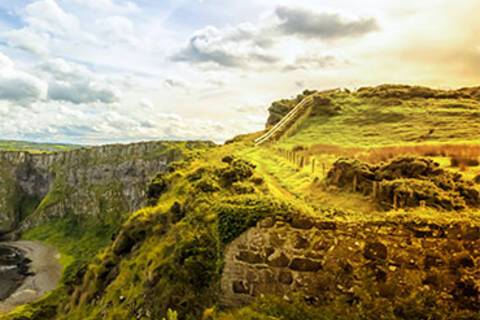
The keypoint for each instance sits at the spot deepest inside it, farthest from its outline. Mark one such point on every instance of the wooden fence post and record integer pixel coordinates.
(313, 165)
(355, 183)
(395, 200)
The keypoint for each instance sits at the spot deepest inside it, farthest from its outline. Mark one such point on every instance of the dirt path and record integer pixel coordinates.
(47, 273)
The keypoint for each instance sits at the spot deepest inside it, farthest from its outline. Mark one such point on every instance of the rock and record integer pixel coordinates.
(249, 257)
(278, 260)
(462, 261)
(285, 277)
(432, 261)
(472, 233)
(300, 222)
(240, 287)
(326, 225)
(375, 251)
(305, 265)
(300, 242)
(267, 222)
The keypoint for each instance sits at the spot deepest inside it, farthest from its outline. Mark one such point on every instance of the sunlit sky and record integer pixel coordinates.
(102, 71)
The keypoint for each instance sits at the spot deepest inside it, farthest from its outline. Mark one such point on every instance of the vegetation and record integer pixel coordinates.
(384, 154)
(32, 147)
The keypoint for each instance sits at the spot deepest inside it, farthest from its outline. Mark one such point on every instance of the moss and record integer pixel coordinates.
(239, 213)
(238, 170)
(406, 182)
(157, 186)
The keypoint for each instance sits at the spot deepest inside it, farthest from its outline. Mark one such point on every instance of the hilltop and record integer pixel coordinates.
(367, 206)
(34, 147)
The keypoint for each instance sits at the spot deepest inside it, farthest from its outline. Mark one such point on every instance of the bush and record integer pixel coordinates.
(477, 179)
(238, 170)
(156, 188)
(242, 188)
(207, 184)
(459, 161)
(238, 214)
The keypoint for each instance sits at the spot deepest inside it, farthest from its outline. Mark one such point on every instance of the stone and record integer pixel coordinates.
(285, 277)
(300, 222)
(375, 251)
(462, 261)
(300, 242)
(472, 233)
(278, 260)
(326, 225)
(432, 261)
(305, 265)
(267, 223)
(321, 245)
(240, 287)
(249, 257)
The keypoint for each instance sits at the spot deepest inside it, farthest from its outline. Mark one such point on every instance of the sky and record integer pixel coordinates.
(108, 71)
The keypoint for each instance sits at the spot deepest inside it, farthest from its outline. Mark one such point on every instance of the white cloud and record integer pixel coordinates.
(47, 16)
(116, 29)
(239, 46)
(72, 82)
(248, 45)
(110, 6)
(29, 40)
(18, 86)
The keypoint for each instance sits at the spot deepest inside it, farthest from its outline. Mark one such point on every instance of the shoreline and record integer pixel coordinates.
(46, 269)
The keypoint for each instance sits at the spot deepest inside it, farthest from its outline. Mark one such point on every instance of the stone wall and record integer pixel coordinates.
(358, 262)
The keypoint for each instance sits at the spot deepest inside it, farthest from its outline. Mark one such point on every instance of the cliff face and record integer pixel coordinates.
(101, 182)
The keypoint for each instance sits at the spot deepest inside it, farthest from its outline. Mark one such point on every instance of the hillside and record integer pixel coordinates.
(32, 147)
(367, 207)
(386, 116)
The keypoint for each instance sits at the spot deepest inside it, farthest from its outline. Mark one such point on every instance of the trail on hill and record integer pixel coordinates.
(46, 269)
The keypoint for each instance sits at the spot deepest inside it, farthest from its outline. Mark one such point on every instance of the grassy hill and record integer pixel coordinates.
(389, 116)
(396, 157)
(33, 147)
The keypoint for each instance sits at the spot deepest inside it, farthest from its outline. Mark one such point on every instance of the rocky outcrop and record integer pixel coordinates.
(355, 263)
(104, 181)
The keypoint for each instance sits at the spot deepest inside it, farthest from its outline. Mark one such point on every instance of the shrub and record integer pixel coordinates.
(239, 213)
(238, 170)
(207, 184)
(459, 161)
(477, 179)
(242, 188)
(156, 188)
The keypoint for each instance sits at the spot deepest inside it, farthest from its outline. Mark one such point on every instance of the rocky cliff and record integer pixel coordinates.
(101, 182)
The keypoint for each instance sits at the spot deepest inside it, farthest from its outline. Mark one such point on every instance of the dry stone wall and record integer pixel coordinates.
(358, 262)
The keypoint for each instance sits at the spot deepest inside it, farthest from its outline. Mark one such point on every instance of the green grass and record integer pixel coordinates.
(33, 147)
(373, 122)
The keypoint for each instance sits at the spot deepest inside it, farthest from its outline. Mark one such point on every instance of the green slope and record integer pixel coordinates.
(389, 116)
(34, 147)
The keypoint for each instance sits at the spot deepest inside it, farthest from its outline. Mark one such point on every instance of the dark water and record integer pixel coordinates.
(14, 268)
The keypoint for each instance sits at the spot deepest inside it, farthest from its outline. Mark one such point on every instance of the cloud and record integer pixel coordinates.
(308, 24)
(247, 45)
(75, 83)
(47, 16)
(28, 40)
(110, 6)
(18, 86)
(172, 83)
(81, 92)
(230, 47)
(117, 29)
(313, 61)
